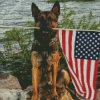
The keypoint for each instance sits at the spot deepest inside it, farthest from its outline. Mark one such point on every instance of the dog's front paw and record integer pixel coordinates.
(55, 97)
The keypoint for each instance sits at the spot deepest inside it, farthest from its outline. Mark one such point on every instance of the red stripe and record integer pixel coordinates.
(71, 62)
(95, 74)
(64, 41)
(76, 65)
(82, 74)
(75, 83)
(88, 76)
(95, 78)
(70, 48)
(58, 34)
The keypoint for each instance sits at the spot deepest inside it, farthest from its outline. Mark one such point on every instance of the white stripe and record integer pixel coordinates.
(76, 80)
(66, 57)
(77, 90)
(85, 77)
(79, 70)
(73, 48)
(67, 44)
(91, 78)
(60, 37)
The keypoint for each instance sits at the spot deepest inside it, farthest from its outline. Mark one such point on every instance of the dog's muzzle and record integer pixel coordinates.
(45, 28)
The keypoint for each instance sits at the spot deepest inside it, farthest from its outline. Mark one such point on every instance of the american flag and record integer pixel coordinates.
(81, 50)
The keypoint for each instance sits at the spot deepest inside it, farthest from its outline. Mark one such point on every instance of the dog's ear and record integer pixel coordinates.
(35, 10)
(56, 9)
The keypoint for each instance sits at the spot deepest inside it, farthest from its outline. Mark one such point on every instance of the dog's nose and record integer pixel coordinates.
(43, 24)
(45, 27)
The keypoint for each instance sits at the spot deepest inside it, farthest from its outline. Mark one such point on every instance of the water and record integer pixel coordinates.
(18, 12)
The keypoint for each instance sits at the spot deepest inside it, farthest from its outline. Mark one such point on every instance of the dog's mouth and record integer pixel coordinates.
(46, 30)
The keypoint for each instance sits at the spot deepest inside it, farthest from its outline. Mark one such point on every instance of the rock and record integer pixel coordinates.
(66, 96)
(46, 94)
(98, 94)
(7, 94)
(9, 82)
(63, 94)
(10, 88)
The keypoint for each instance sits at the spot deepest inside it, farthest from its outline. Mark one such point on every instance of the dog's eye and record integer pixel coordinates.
(50, 19)
(41, 18)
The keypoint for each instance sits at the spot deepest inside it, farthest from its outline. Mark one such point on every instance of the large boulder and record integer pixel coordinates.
(46, 93)
(10, 88)
(8, 94)
(9, 82)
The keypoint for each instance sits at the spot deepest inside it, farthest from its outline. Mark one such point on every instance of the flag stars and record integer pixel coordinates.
(83, 32)
(82, 41)
(95, 40)
(97, 58)
(98, 38)
(91, 57)
(88, 37)
(89, 49)
(97, 53)
(78, 32)
(87, 45)
(90, 45)
(94, 55)
(89, 33)
(77, 41)
(91, 36)
(83, 37)
(77, 36)
(95, 45)
(93, 33)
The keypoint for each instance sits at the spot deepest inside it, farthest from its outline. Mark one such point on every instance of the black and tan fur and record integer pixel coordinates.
(45, 55)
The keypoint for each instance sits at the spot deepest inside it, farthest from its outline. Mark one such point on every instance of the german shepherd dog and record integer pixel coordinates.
(45, 54)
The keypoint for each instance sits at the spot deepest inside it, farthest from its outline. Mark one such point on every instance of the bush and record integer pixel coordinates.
(67, 21)
(17, 47)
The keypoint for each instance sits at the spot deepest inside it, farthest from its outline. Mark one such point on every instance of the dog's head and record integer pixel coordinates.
(46, 20)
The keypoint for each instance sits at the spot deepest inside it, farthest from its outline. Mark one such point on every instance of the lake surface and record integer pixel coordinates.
(18, 12)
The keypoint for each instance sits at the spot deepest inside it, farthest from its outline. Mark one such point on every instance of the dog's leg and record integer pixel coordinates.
(56, 58)
(35, 64)
(55, 69)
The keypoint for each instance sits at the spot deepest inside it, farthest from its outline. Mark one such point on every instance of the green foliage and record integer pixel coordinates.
(67, 21)
(20, 41)
(20, 36)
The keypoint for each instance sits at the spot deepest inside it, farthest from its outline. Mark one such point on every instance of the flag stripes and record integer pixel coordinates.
(83, 71)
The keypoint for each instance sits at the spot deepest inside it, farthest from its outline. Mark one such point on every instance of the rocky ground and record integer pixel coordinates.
(10, 89)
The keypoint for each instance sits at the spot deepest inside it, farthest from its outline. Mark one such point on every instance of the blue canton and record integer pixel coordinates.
(87, 45)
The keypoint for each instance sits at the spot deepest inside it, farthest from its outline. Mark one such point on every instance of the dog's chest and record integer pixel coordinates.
(49, 47)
